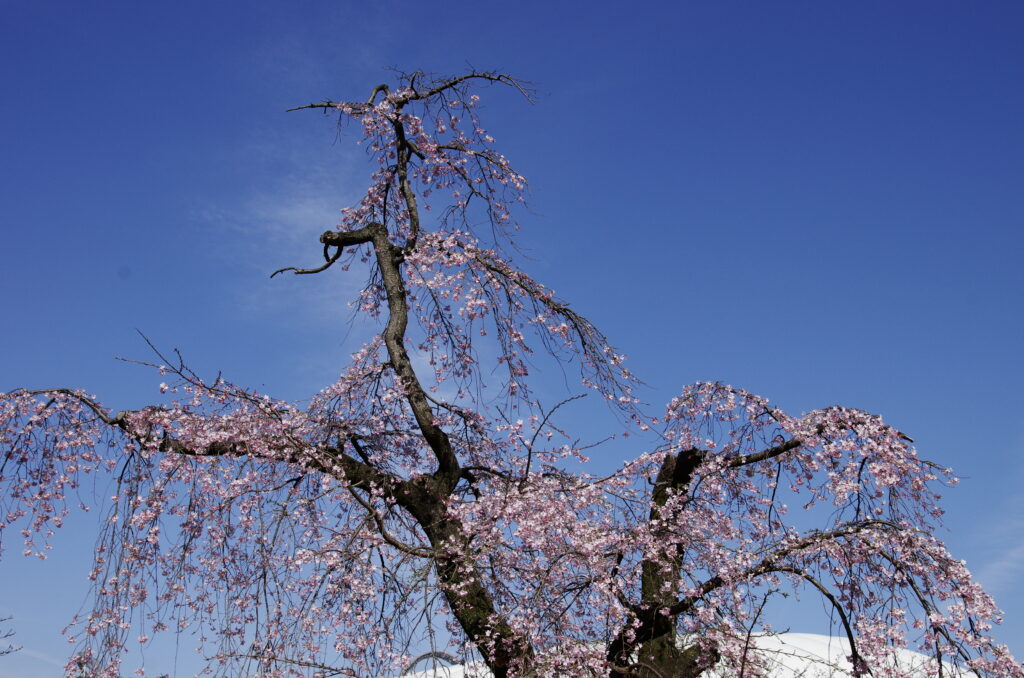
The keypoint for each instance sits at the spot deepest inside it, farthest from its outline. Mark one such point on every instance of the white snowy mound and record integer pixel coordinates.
(809, 655)
(789, 655)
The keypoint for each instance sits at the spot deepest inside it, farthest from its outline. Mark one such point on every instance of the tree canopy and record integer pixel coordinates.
(428, 502)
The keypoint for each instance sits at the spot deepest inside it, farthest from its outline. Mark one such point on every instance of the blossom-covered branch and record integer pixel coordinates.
(427, 504)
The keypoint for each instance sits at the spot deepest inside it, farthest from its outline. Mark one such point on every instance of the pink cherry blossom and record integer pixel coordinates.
(438, 507)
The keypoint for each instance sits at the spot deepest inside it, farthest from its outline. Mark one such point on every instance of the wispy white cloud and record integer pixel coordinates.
(1004, 573)
(304, 324)
(29, 663)
(1000, 534)
(278, 223)
(1003, 535)
(42, 656)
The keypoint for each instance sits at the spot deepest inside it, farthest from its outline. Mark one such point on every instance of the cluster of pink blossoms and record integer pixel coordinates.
(427, 501)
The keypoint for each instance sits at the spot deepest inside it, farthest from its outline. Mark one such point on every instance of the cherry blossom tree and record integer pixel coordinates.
(428, 504)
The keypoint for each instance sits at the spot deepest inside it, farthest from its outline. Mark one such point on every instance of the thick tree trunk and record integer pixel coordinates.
(661, 658)
(653, 651)
(469, 600)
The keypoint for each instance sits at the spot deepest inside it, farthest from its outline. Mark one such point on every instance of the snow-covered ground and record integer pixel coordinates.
(790, 655)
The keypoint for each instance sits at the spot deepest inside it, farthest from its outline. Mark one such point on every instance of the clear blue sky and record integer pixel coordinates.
(818, 201)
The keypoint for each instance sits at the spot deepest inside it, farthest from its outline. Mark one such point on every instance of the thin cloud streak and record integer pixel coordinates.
(1005, 572)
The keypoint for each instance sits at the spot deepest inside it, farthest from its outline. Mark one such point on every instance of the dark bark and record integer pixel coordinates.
(653, 651)
(470, 601)
(424, 497)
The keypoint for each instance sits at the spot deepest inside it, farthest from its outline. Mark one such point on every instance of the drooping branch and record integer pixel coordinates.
(119, 420)
(656, 616)
(859, 666)
(360, 474)
(383, 531)
(433, 654)
(776, 560)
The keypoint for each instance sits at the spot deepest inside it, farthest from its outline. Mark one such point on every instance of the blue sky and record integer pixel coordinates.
(819, 202)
